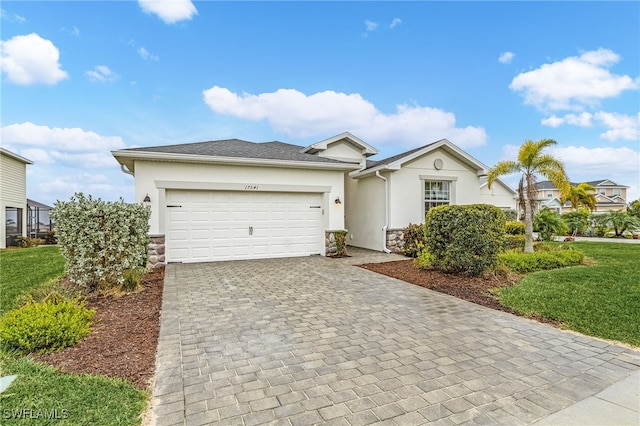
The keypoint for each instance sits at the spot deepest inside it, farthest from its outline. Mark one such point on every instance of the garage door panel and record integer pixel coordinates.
(215, 225)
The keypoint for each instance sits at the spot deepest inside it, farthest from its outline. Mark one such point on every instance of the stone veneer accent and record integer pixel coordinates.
(395, 240)
(156, 251)
(330, 242)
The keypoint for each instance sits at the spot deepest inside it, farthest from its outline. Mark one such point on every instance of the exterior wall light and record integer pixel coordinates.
(147, 199)
(337, 201)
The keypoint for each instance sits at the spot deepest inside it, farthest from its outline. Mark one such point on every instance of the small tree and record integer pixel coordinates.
(577, 221)
(633, 208)
(100, 240)
(531, 162)
(581, 195)
(620, 222)
(549, 223)
(464, 239)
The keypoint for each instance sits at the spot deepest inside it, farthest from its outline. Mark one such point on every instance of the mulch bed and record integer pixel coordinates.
(472, 289)
(124, 337)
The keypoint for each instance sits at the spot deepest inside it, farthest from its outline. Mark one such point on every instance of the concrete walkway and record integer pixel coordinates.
(318, 341)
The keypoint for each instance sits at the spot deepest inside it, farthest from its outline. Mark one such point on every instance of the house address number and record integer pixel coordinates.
(250, 187)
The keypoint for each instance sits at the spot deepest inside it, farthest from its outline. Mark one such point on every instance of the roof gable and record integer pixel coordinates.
(366, 149)
(397, 161)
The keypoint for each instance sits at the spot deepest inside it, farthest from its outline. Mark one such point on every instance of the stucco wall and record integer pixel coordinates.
(365, 213)
(13, 192)
(148, 172)
(407, 187)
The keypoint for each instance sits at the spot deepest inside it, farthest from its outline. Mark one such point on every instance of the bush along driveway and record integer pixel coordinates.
(315, 340)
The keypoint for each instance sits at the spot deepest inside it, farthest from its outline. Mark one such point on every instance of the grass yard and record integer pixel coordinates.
(601, 300)
(23, 269)
(41, 395)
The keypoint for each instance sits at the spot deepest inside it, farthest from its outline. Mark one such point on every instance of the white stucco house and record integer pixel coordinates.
(234, 199)
(13, 196)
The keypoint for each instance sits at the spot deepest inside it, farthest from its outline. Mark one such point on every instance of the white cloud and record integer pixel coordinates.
(170, 11)
(146, 55)
(506, 57)
(395, 22)
(30, 59)
(102, 74)
(12, 17)
(620, 126)
(296, 114)
(370, 25)
(73, 31)
(574, 82)
(28, 135)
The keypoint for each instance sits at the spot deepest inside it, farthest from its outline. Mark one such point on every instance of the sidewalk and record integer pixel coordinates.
(618, 405)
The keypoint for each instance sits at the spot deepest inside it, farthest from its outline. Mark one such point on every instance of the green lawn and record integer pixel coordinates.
(41, 392)
(41, 395)
(23, 269)
(601, 300)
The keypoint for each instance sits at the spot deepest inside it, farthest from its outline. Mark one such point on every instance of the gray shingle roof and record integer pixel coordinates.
(371, 164)
(239, 149)
(545, 184)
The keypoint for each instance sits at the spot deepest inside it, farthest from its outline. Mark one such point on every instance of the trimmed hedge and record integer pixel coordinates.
(464, 239)
(522, 263)
(514, 242)
(100, 240)
(514, 228)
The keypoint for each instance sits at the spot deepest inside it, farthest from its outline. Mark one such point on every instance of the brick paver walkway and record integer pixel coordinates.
(314, 340)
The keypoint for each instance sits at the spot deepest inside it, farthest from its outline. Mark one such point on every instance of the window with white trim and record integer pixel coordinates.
(436, 193)
(616, 191)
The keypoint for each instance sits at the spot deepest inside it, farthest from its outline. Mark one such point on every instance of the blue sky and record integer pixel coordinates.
(83, 78)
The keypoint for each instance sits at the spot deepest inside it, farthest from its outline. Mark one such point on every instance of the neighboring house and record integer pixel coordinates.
(610, 196)
(233, 199)
(13, 196)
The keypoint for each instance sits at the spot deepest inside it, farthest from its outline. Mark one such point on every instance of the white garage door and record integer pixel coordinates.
(224, 225)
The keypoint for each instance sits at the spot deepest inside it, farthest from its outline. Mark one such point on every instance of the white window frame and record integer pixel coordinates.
(451, 180)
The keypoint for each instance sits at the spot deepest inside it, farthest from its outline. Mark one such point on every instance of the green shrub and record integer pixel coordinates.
(50, 238)
(341, 242)
(413, 236)
(46, 326)
(514, 228)
(26, 242)
(549, 223)
(101, 240)
(540, 260)
(424, 260)
(577, 221)
(465, 239)
(510, 215)
(514, 242)
(133, 279)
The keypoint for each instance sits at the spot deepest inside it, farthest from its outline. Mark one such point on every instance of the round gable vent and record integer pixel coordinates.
(437, 163)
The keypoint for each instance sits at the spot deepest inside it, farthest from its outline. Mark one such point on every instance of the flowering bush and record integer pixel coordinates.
(100, 240)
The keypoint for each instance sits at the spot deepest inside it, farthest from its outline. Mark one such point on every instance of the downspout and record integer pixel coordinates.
(386, 212)
(126, 170)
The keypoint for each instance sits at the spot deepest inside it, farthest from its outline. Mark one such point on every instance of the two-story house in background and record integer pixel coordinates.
(610, 196)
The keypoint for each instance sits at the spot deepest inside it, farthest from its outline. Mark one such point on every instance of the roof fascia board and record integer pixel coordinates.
(189, 158)
(481, 169)
(367, 149)
(15, 156)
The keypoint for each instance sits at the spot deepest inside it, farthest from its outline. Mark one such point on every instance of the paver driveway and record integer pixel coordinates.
(315, 340)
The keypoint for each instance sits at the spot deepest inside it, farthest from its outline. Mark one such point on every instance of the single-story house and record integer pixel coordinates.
(234, 199)
(13, 196)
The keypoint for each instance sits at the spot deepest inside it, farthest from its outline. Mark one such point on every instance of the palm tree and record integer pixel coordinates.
(581, 196)
(530, 163)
